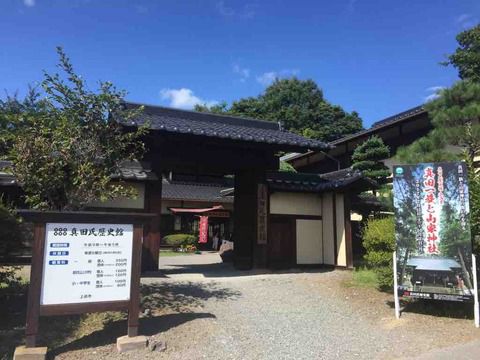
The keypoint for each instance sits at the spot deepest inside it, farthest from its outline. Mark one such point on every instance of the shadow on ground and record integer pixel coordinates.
(182, 296)
(449, 309)
(223, 270)
(66, 333)
(109, 334)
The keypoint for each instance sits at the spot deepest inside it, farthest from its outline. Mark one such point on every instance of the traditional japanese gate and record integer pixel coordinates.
(201, 143)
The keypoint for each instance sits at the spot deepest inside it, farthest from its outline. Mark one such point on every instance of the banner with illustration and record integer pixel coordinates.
(434, 247)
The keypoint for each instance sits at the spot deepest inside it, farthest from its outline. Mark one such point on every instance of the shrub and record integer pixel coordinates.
(10, 244)
(180, 239)
(379, 243)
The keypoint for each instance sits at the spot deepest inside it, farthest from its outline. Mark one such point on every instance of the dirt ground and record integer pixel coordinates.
(203, 309)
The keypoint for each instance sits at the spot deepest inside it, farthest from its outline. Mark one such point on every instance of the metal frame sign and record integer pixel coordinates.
(434, 246)
(91, 263)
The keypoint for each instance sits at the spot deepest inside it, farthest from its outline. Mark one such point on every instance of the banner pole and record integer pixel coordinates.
(475, 292)
(395, 286)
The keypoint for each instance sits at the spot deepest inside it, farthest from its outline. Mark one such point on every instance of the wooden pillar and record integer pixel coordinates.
(245, 219)
(348, 230)
(152, 236)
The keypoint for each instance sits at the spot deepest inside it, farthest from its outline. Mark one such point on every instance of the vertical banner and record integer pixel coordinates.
(203, 230)
(262, 214)
(432, 229)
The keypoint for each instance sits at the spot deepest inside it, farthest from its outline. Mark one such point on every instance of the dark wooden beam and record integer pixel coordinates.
(247, 251)
(152, 236)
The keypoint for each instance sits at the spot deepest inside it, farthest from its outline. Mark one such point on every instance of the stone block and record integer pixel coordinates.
(31, 353)
(126, 343)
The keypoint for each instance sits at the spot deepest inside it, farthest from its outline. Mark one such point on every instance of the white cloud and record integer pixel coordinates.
(269, 77)
(434, 92)
(223, 9)
(29, 3)
(184, 98)
(466, 21)
(243, 72)
(245, 12)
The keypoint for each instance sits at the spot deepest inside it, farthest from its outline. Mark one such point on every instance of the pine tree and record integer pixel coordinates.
(368, 157)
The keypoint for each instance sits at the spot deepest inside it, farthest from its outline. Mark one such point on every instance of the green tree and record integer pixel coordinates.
(368, 157)
(300, 106)
(379, 243)
(455, 116)
(65, 149)
(286, 167)
(466, 58)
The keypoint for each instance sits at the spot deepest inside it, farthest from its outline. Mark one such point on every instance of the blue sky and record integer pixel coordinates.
(378, 57)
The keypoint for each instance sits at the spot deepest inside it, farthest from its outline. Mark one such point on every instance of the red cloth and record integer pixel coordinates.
(203, 230)
(198, 211)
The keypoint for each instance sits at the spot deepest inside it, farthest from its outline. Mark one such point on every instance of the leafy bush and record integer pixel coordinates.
(180, 239)
(379, 243)
(10, 243)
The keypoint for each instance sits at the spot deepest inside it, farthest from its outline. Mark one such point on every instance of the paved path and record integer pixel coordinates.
(268, 316)
(204, 309)
(295, 315)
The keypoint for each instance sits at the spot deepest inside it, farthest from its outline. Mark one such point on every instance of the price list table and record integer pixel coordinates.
(88, 262)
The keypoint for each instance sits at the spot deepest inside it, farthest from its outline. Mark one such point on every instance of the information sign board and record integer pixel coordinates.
(434, 247)
(86, 263)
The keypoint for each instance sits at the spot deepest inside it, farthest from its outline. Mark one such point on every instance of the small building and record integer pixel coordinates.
(434, 274)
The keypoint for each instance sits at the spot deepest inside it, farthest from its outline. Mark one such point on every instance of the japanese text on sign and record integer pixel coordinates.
(86, 263)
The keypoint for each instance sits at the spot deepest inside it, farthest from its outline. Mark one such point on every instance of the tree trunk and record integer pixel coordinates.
(404, 265)
(466, 274)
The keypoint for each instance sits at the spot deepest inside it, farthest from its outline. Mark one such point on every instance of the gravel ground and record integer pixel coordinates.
(210, 311)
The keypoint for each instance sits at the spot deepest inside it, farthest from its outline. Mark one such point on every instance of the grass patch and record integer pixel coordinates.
(364, 278)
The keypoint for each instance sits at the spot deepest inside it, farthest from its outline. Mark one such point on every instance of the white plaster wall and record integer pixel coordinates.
(328, 229)
(124, 202)
(341, 241)
(309, 242)
(295, 204)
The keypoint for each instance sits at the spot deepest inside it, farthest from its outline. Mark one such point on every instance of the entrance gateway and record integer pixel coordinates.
(187, 142)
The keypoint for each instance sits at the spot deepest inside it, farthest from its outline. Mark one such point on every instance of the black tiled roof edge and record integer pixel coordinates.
(376, 126)
(194, 192)
(400, 116)
(220, 126)
(385, 122)
(335, 180)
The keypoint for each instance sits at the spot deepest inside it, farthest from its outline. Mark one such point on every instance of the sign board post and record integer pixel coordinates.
(84, 262)
(434, 246)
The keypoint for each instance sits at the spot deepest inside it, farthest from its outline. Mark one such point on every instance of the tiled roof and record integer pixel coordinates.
(194, 192)
(433, 264)
(221, 126)
(405, 115)
(335, 180)
(397, 117)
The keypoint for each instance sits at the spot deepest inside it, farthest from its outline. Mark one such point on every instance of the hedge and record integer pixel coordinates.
(180, 239)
